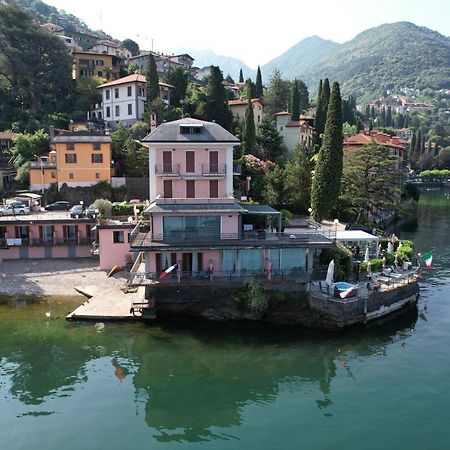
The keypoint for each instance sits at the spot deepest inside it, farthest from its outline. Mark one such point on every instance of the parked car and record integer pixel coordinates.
(14, 208)
(358, 226)
(77, 211)
(58, 206)
(92, 212)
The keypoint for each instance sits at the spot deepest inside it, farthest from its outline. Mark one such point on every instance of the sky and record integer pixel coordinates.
(254, 31)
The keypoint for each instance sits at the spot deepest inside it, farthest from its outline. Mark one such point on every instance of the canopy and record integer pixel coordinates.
(356, 236)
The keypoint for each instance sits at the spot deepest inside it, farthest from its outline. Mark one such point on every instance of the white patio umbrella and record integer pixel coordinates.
(366, 256)
(330, 273)
(390, 247)
(378, 250)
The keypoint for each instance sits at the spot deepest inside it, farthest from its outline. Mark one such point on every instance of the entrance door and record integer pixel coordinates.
(187, 262)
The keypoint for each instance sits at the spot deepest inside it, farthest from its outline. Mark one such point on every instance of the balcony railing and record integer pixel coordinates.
(140, 238)
(214, 169)
(172, 170)
(44, 242)
(43, 165)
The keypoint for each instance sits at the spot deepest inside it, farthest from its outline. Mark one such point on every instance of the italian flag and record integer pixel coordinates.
(428, 258)
(167, 271)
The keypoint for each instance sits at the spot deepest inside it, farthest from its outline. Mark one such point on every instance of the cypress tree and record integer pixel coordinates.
(251, 88)
(249, 134)
(372, 112)
(304, 96)
(383, 117)
(367, 111)
(327, 179)
(241, 76)
(216, 108)
(295, 101)
(318, 108)
(259, 85)
(322, 107)
(389, 117)
(152, 83)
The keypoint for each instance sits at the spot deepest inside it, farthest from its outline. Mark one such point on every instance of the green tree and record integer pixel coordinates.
(132, 46)
(275, 188)
(178, 78)
(269, 140)
(35, 66)
(251, 88)
(295, 101)
(371, 181)
(152, 84)
(327, 179)
(241, 76)
(389, 117)
(259, 85)
(25, 149)
(298, 180)
(303, 96)
(228, 79)
(321, 109)
(216, 106)
(276, 97)
(249, 135)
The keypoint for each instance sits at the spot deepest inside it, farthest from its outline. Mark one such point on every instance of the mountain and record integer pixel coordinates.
(300, 57)
(389, 56)
(229, 66)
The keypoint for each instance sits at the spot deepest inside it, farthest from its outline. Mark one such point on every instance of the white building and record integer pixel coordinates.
(294, 132)
(123, 100)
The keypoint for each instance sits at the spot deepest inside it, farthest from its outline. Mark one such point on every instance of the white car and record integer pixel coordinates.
(14, 209)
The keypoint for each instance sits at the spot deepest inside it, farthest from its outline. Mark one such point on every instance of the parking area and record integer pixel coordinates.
(38, 215)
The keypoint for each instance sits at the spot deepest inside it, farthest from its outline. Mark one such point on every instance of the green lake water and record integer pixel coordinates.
(131, 386)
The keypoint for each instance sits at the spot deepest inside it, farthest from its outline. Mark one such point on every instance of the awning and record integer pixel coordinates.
(356, 236)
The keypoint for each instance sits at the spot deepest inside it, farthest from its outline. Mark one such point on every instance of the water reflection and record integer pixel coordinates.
(191, 380)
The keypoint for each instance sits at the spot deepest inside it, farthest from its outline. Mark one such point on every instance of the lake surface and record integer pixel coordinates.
(128, 386)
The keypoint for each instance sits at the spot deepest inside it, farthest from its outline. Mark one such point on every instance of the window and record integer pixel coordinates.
(108, 111)
(97, 175)
(116, 93)
(190, 162)
(53, 174)
(99, 62)
(70, 158)
(129, 91)
(70, 146)
(71, 176)
(107, 94)
(167, 187)
(117, 110)
(185, 129)
(96, 158)
(190, 188)
(118, 237)
(96, 146)
(213, 188)
(130, 109)
(192, 226)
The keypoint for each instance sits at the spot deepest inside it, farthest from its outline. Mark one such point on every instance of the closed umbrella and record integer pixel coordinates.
(366, 256)
(390, 247)
(330, 273)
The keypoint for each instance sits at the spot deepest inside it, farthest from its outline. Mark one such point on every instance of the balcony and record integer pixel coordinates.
(214, 170)
(42, 165)
(168, 170)
(40, 242)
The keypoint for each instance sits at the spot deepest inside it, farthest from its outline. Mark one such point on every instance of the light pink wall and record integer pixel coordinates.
(157, 225)
(201, 187)
(207, 256)
(112, 254)
(60, 252)
(201, 156)
(36, 252)
(213, 256)
(230, 224)
(10, 253)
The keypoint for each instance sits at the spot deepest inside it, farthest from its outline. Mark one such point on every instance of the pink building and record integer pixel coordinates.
(34, 237)
(194, 220)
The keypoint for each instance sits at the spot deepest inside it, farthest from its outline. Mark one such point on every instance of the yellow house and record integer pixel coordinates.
(77, 159)
(90, 64)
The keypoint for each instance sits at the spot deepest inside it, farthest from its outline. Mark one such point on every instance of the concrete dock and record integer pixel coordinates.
(114, 303)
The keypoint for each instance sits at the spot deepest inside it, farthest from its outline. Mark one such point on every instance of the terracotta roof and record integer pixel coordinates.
(135, 77)
(299, 123)
(7, 135)
(242, 102)
(377, 137)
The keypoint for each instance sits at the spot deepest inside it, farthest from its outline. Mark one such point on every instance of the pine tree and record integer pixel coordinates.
(259, 85)
(298, 180)
(269, 140)
(295, 101)
(152, 84)
(328, 173)
(249, 134)
(216, 107)
(241, 76)
(304, 96)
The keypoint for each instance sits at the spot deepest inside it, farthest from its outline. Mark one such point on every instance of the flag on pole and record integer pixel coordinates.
(428, 258)
(167, 271)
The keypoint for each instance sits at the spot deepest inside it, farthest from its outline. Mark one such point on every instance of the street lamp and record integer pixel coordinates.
(335, 221)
